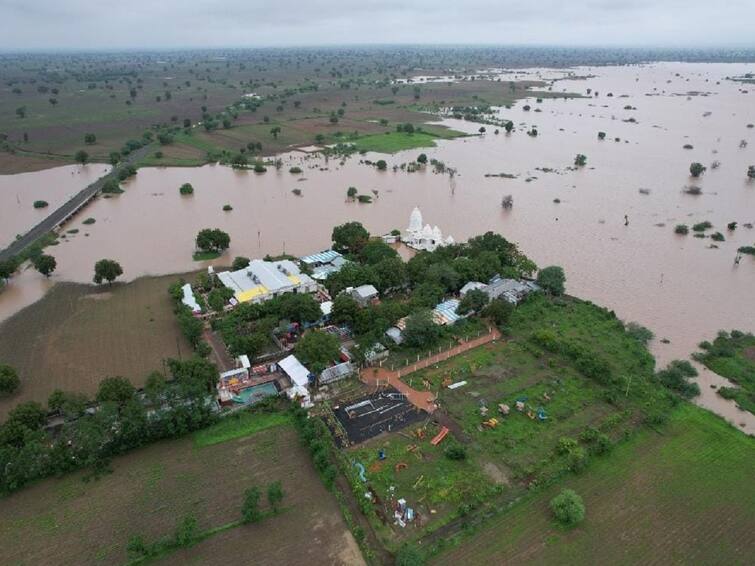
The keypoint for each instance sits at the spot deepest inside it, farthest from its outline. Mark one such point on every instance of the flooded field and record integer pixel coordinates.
(616, 242)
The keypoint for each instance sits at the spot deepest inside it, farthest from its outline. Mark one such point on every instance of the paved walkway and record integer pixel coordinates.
(378, 376)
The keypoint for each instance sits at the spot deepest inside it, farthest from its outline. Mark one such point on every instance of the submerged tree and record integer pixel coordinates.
(9, 380)
(580, 160)
(751, 172)
(107, 270)
(696, 169)
(45, 264)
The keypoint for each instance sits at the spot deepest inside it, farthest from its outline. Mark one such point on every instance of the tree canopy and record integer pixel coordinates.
(9, 380)
(107, 270)
(552, 279)
(317, 350)
(350, 238)
(212, 240)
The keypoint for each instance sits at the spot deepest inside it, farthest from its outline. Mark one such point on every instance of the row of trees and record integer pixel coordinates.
(118, 419)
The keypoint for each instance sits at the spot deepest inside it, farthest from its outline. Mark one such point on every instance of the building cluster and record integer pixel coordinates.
(264, 280)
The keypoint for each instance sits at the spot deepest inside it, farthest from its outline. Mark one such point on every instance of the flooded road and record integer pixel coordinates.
(681, 287)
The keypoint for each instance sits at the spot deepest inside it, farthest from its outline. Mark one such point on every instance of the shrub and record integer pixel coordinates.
(717, 237)
(456, 452)
(227, 208)
(40, 204)
(111, 187)
(696, 169)
(381, 165)
(9, 380)
(568, 508)
(89, 221)
(639, 333)
(702, 226)
(295, 170)
(366, 199)
(250, 509)
(186, 531)
(186, 189)
(681, 229)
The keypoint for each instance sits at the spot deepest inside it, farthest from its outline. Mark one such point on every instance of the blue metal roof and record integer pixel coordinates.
(323, 257)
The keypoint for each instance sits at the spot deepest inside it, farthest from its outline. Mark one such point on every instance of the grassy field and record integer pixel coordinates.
(68, 521)
(732, 355)
(683, 495)
(79, 334)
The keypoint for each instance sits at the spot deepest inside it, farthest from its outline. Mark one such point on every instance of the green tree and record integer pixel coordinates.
(345, 309)
(81, 156)
(580, 160)
(90, 139)
(250, 508)
(107, 270)
(21, 111)
(351, 192)
(8, 267)
(381, 165)
(696, 169)
(45, 264)
(552, 279)
(28, 414)
(114, 158)
(499, 311)
(474, 301)
(9, 380)
(422, 158)
(421, 331)
(317, 350)
(275, 494)
(218, 298)
(349, 238)
(117, 390)
(508, 126)
(212, 240)
(751, 172)
(568, 507)
(298, 307)
(375, 251)
(240, 262)
(275, 130)
(186, 189)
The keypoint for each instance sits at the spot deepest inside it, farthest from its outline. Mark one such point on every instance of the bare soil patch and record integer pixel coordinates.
(79, 334)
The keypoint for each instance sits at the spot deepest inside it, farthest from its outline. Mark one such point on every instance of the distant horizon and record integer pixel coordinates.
(336, 46)
(52, 25)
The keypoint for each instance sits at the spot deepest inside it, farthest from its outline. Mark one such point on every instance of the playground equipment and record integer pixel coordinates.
(490, 423)
(440, 436)
(359, 466)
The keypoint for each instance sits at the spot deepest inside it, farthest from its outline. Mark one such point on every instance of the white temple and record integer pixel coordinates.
(424, 237)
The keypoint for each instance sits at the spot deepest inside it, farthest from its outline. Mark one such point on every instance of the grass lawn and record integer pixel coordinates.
(681, 495)
(393, 142)
(239, 425)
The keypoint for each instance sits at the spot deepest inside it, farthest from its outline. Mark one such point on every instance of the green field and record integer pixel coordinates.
(682, 495)
(732, 355)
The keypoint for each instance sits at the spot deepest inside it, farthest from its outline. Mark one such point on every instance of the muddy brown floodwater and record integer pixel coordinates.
(683, 288)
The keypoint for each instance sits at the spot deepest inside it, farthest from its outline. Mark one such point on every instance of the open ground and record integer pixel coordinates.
(79, 334)
(68, 521)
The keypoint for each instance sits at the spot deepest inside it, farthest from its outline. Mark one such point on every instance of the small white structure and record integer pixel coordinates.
(364, 294)
(423, 238)
(471, 286)
(189, 300)
(299, 376)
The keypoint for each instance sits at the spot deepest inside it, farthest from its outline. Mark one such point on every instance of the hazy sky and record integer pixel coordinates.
(115, 24)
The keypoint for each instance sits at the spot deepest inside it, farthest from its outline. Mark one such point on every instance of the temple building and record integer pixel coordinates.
(424, 237)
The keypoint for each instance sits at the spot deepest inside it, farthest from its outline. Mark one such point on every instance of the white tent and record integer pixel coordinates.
(295, 370)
